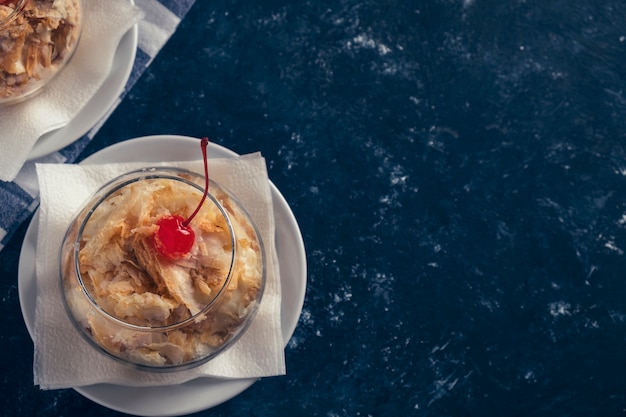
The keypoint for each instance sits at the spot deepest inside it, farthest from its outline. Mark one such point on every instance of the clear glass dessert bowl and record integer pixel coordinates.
(148, 310)
(37, 39)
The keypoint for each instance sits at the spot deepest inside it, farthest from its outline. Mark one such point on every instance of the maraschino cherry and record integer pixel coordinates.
(174, 238)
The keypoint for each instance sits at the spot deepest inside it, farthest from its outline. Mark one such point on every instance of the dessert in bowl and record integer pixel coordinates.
(134, 288)
(37, 39)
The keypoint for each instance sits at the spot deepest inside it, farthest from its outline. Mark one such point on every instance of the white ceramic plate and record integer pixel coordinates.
(100, 103)
(202, 393)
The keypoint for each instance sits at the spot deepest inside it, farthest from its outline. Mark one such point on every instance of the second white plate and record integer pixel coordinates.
(100, 103)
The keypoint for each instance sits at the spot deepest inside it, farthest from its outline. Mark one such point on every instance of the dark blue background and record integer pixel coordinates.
(458, 170)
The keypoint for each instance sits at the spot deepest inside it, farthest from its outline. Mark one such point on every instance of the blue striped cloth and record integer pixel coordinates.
(19, 198)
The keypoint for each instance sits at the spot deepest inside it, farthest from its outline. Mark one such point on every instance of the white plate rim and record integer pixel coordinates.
(140, 400)
(99, 105)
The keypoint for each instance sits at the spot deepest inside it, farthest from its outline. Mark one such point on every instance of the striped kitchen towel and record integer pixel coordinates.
(19, 198)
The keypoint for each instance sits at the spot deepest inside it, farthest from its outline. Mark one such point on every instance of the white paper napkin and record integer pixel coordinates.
(64, 359)
(104, 24)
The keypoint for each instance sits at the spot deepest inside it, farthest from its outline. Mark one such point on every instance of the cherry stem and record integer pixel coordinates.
(203, 144)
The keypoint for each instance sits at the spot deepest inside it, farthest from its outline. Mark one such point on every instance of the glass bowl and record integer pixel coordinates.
(140, 307)
(37, 39)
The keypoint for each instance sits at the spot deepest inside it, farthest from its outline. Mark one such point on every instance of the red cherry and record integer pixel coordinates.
(174, 238)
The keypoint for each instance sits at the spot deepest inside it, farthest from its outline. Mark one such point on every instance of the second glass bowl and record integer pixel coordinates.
(37, 39)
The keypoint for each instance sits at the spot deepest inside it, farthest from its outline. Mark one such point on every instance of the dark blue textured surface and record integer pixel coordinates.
(178, 7)
(458, 169)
